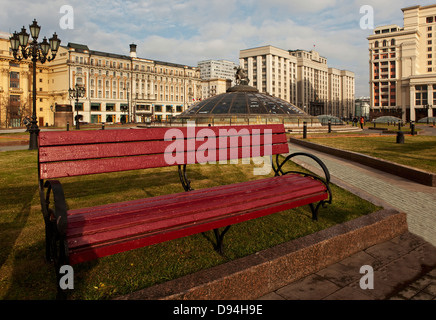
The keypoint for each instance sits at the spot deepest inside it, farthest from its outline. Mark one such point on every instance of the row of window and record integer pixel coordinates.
(385, 43)
(126, 66)
(111, 107)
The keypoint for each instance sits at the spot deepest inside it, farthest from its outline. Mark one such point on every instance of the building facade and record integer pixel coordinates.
(402, 66)
(217, 69)
(362, 107)
(16, 88)
(301, 78)
(216, 76)
(118, 88)
(212, 87)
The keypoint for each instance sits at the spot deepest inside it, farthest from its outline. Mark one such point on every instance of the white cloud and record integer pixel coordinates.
(187, 31)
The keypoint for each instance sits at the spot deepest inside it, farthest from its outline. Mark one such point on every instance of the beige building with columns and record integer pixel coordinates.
(118, 88)
(302, 78)
(16, 88)
(402, 66)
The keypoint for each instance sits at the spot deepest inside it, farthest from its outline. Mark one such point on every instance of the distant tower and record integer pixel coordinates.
(132, 50)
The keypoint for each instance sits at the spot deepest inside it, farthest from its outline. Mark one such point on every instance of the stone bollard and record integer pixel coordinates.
(400, 137)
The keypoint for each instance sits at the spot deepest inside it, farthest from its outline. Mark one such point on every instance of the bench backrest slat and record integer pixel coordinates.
(63, 154)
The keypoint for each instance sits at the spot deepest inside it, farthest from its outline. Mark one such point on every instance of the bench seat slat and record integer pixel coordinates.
(151, 211)
(172, 223)
(59, 138)
(120, 149)
(50, 170)
(107, 210)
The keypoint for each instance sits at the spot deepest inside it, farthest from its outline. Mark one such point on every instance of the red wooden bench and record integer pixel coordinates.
(75, 236)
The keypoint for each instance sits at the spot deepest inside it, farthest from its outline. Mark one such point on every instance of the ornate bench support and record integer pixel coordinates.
(55, 227)
(278, 171)
(219, 239)
(186, 183)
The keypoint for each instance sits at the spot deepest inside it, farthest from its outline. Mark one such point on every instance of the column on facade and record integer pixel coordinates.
(250, 70)
(268, 73)
(430, 100)
(412, 103)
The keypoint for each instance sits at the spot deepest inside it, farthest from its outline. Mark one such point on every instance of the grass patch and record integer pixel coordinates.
(25, 275)
(417, 151)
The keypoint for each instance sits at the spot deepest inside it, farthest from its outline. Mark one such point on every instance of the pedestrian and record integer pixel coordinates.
(27, 123)
(361, 122)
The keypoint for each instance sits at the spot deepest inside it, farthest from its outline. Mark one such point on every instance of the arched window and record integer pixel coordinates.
(376, 44)
(385, 43)
(392, 42)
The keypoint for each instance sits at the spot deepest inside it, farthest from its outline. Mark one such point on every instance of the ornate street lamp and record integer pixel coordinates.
(23, 49)
(76, 93)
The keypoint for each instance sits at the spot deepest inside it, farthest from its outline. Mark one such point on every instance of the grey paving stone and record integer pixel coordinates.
(271, 296)
(313, 287)
(349, 293)
(340, 274)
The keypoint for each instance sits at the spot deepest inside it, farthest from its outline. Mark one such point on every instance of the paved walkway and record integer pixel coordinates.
(416, 200)
(403, 268)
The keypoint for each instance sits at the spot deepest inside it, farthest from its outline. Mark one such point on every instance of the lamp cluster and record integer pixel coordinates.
(38, 51)
(76, 93)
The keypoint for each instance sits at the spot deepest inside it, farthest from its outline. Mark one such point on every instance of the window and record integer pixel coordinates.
(429, 19)
(421, 95)
(14, 80)
(95, 107)
(78, 106)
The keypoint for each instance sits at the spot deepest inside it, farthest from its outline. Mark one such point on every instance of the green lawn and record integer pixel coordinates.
(25, 275)
(417, 151)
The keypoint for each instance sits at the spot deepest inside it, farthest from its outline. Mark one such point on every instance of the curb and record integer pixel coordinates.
(253, 276)
(420, 176)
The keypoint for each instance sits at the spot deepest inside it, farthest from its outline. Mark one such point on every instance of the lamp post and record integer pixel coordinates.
(427, 107)
(23, 49)
(76, 93)
(127, 109)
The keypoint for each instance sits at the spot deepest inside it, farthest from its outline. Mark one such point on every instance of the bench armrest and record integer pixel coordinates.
(58, 214)
(278, 171)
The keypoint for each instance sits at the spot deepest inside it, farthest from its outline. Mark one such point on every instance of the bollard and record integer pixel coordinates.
(68, 126)
(399, 125)
(400, 137)
(412, 128)
(102, 126)
(304, 130)
(330, 126)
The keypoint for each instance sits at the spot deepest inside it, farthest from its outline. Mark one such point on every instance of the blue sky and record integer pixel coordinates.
(188, 31)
